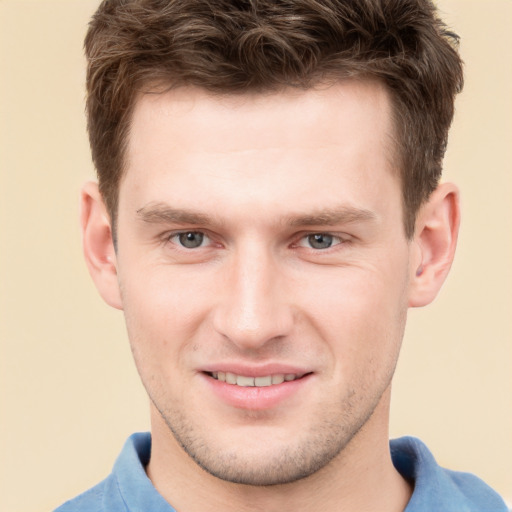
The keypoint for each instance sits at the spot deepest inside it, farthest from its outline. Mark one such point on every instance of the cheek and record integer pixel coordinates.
(163, 312)
(361, 316)
(167, 295)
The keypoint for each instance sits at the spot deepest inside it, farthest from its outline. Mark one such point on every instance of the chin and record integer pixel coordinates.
(285, 467)
(268, 456)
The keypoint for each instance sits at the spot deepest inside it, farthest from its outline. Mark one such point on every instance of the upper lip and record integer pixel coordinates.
(256, 370)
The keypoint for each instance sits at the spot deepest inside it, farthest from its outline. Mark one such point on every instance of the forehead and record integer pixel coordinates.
(262, 120)
(268, 147)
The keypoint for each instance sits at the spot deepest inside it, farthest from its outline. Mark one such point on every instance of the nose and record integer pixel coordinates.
(253, 307)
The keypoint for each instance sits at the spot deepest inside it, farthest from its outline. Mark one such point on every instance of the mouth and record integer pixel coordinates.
(262, 381)
(258, 389)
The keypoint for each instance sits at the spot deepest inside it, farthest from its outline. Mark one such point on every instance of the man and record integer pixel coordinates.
(268, 208)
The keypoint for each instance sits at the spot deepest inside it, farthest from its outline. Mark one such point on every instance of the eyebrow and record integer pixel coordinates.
(157, 213)
(333, 216)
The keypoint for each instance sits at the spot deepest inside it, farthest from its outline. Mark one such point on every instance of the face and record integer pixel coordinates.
(264, 272)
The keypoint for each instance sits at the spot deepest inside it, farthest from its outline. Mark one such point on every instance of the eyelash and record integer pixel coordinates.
(302, 240)
(320, 236)
(169, 238)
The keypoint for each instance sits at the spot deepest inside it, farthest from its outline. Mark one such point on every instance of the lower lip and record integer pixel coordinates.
(255, 398)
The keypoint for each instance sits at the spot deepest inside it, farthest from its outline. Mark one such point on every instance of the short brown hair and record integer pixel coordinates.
(237, 46)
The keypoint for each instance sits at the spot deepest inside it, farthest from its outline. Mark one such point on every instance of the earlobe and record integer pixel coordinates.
(98, 245)
(435, 240)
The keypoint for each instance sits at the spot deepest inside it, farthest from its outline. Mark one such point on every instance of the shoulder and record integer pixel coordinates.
(476, 491)
(89, 501)
(437, 488)
(127, 483)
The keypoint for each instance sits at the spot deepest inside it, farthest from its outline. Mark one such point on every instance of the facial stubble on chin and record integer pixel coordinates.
(320, 444)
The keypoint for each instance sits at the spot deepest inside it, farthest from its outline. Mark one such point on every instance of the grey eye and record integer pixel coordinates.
(191, 239)
(320, 241)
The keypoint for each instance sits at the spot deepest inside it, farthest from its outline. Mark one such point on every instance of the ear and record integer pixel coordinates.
(98, 245)
(435, 239)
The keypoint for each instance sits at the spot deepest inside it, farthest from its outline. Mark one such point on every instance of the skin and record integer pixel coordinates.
(256, 177)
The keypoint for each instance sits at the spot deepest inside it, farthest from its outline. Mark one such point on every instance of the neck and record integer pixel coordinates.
(361, 478)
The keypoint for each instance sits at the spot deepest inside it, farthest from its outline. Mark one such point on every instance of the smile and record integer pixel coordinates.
(244, 381)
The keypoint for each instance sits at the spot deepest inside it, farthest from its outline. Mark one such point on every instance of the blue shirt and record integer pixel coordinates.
(128, 489)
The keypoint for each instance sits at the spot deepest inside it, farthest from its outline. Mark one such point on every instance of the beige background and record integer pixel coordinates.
(69, 393)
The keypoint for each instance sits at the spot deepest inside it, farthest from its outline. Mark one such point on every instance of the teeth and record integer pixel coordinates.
(242, 380)
(277, 379)
(263, 381)
(230, 378)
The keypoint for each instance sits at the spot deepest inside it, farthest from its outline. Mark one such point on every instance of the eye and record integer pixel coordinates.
(320, 241)
(190, 239)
